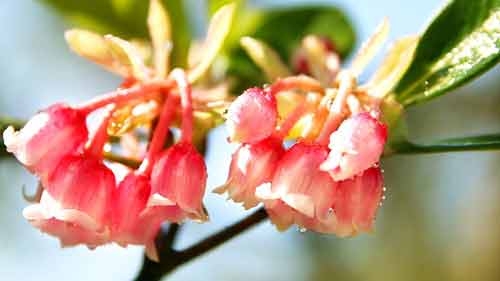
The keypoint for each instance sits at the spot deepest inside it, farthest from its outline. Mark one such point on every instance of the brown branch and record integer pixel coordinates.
(171, 259)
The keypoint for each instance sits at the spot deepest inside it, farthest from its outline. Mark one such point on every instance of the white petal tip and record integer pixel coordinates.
(159, 200)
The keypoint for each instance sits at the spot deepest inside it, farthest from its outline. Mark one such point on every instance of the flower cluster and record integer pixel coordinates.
(83, 202)
(329, 179)
(86, 199)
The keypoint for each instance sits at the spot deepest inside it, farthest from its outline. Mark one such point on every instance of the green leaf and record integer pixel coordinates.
(126, 19)
(484, 142)
(462, 42)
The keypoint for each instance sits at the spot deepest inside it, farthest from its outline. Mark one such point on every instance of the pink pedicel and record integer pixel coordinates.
(178, 179)
(75, 203)
(48, 136)
(300, 185)
(252, 116)
(356, 146)
(251, 166)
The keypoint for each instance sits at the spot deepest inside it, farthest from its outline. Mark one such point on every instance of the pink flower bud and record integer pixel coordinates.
(300, 184)
(252, 116)
(251, 166)
(76, 201)
(128, 202)
(355, 146)
(47, 137)
(178, 179)
(356, 202)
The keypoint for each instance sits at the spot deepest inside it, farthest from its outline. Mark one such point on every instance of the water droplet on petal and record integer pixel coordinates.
(302, 229)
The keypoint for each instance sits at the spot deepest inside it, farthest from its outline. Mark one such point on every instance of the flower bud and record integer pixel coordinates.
(356, 202)
(47, 137)
(356, 146)
(75, 204)
(300, 184)
(128, 202)
(178, 179)
(252, 116)
(251, 166)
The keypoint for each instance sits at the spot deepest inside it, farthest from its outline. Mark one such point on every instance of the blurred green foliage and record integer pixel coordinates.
(281, 28)
(126, 19)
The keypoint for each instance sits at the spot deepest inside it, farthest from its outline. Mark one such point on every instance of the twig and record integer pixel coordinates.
(171, 259)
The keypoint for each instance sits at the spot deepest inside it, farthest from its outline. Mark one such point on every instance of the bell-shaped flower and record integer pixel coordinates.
(76, 201)
(251, 166)
(252, 116)
(178, 179)
(300, 185)
(132, 221)
(129, 201)
(48, 136)
(356, 146)
(356, 202)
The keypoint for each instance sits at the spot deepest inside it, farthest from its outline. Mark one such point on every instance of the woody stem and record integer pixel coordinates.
(171, 259)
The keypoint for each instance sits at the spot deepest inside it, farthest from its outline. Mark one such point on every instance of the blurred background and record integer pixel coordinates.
(439, 221)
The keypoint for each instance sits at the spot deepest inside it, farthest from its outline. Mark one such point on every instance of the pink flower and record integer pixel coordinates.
(251, 166)
(356, 202)
(75, 203)
(132, 221)
(300, 185)
(48, 137)
(252, 116)
(356, 146)
(128, 202)
(178, 179)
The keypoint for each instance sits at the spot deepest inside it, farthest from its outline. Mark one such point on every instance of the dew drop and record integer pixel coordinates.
(330, 211)
(384, 189)
(302, 229)
(384, 197)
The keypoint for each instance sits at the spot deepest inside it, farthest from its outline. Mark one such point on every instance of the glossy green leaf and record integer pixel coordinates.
(462, 42)
(484, 142)
(126, 19)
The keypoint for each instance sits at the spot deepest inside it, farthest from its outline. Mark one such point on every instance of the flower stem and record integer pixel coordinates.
(160, 133)
(171, 259)
(186, 102)
(300, 82)
(123, 95)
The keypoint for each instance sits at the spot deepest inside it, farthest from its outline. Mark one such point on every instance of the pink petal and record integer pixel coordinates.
(252, 116)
